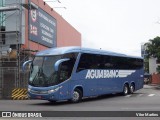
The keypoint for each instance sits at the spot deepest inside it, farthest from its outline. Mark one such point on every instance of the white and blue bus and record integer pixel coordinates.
(73, 73)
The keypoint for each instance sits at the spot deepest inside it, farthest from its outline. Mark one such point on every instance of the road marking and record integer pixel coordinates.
(150, 95)
(128, 96)
(139, 95)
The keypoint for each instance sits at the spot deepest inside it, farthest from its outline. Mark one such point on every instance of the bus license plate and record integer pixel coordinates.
(39, 97)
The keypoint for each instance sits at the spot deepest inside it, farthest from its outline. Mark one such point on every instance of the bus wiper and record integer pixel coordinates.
(36, 76)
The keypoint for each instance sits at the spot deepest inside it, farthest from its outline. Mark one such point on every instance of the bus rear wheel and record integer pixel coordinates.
(77, 96)
(125, 89)
(132, 88)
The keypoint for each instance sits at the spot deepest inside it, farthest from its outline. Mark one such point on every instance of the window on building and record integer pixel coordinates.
(2, 14)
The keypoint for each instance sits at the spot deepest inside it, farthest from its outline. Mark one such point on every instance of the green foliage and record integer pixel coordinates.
(153, 48)
(158, 69)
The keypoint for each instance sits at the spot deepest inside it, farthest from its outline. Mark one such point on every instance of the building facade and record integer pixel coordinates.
(28, 26)
(34, 25)
(51, 29)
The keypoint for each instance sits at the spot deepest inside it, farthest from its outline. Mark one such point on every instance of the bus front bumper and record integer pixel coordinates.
(52, 96)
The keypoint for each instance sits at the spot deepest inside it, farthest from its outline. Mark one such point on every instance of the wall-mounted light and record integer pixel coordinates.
(61, 7)
(54, 1)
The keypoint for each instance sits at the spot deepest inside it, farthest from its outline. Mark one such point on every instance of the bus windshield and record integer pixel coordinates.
(42, 71)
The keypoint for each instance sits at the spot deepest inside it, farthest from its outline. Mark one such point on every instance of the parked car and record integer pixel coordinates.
(147, 78)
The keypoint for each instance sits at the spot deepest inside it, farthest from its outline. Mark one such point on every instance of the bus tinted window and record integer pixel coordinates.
(87, 61)
(127, 63)
(67, 67)
(94, 61)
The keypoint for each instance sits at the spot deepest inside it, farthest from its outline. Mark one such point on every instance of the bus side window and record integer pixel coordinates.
(89, 61)
(81, 66)
(108, 63)
(84, 62)
(66, 69)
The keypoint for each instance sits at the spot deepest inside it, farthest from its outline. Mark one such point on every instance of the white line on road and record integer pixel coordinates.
(128, 96)
(150, 95)
(139, 95)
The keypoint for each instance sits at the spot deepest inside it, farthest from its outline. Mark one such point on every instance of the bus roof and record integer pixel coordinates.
(64, 50)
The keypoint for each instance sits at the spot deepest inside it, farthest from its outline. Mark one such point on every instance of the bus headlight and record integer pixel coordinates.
(29, 89)
(53, 90)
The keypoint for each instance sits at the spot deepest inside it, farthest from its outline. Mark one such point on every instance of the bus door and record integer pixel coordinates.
(91, 85)
(84, 74)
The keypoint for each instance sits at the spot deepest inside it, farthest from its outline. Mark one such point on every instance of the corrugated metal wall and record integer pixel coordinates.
(9, 81)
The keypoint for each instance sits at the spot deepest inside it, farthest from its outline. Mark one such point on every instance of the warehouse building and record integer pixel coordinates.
(28, 26)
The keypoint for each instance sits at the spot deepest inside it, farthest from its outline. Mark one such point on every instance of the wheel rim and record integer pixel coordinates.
(132, 88)
(125, 90)
(75, 96)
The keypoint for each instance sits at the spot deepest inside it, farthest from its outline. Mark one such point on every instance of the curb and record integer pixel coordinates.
(157, 87)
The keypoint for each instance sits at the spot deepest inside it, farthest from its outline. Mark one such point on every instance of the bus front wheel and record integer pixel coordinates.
(77, 96)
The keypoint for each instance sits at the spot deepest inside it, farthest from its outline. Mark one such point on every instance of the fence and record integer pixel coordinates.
(9, 81)
(156, 79)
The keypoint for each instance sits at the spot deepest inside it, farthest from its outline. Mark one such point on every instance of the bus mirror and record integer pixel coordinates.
(56, 65)
(24, 64)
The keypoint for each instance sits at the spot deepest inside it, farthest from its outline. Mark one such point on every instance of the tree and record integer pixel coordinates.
(153, 49)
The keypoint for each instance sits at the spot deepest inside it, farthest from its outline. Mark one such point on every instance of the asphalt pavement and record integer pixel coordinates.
(154, 86)
(146, 99)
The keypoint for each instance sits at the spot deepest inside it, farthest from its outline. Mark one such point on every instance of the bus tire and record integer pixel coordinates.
(77, 96)
(125, 90)
(132, 88)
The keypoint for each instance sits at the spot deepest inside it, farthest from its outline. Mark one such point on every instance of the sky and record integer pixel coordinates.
(115, 25)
